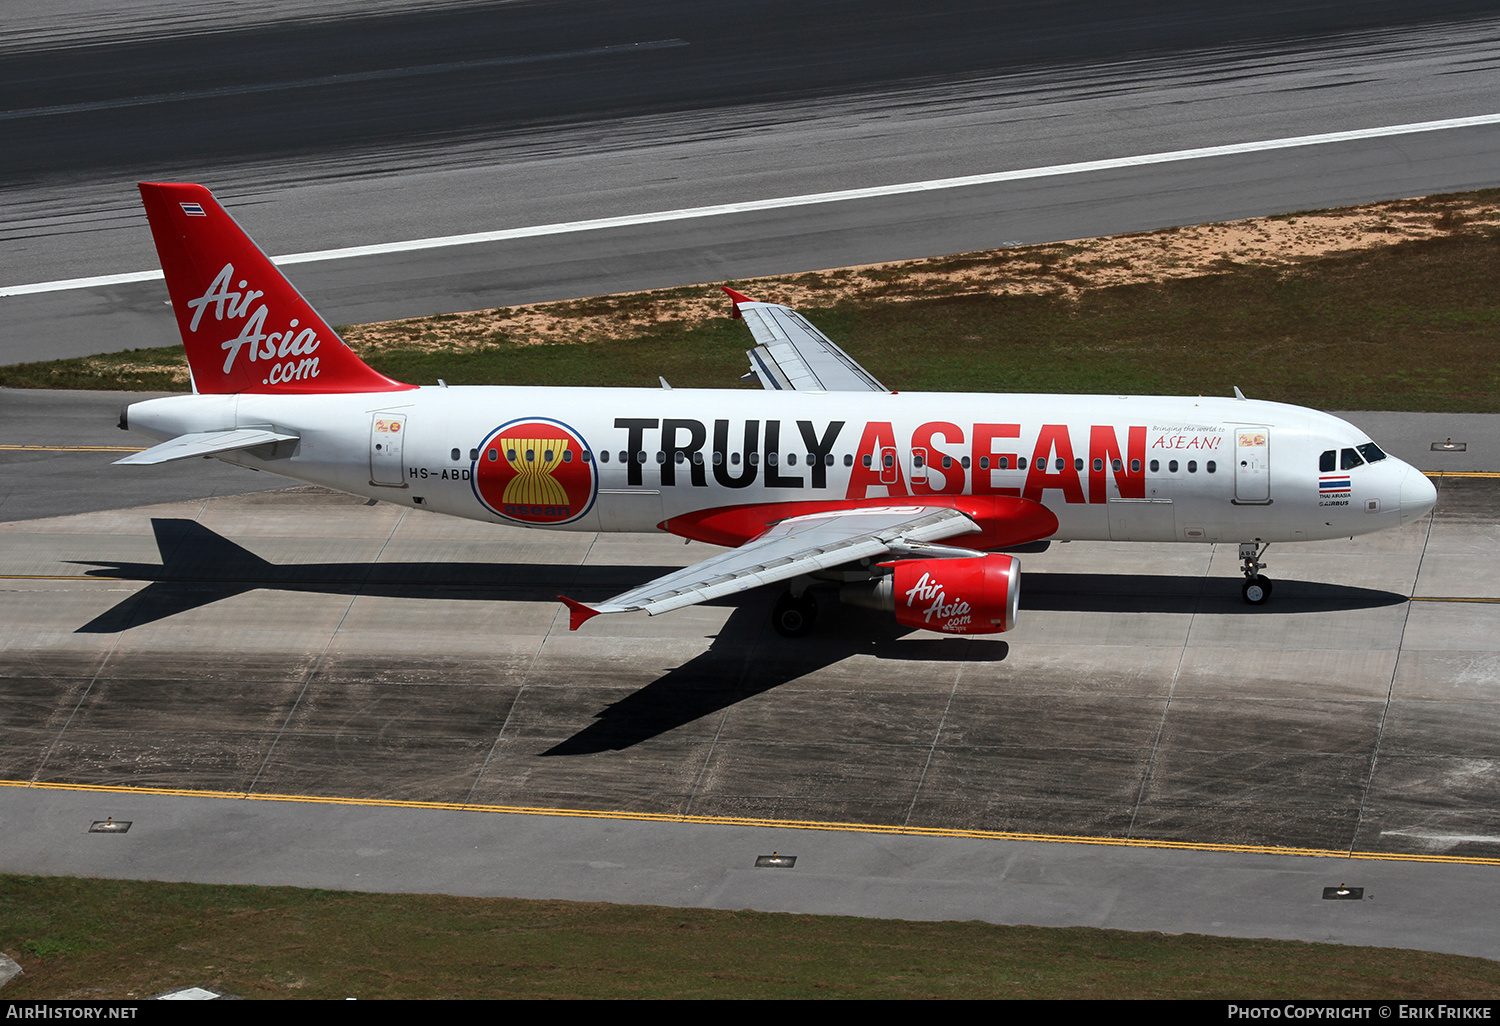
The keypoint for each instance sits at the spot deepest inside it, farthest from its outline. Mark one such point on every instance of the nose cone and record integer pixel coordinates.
(1418, 495)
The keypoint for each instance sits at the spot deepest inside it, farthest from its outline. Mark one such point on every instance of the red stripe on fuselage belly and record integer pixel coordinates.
(1003, 520)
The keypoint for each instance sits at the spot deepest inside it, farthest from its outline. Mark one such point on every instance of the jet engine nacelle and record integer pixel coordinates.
(973, 595)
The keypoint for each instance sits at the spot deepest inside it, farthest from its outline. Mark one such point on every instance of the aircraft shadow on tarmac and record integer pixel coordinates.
(199, 567)
(746, 660)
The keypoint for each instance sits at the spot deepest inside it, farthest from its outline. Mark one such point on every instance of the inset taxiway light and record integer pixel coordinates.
(110, 826)
(1343, 893)
(1450, 446)
(775, 861)
(189, 994)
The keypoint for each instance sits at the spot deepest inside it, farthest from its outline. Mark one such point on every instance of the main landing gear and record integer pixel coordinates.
(1256, 589)
(794, 615)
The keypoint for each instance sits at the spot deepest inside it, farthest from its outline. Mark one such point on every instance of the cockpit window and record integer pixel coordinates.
(1328, 462)
(1349, 459)
(1371, 452)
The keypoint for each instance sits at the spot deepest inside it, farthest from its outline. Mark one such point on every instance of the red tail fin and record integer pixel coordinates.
(245, 328)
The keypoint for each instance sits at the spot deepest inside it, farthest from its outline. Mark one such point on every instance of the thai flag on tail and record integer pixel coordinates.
(193, 209)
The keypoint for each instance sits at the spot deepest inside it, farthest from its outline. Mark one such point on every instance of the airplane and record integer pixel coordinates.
(826, 481)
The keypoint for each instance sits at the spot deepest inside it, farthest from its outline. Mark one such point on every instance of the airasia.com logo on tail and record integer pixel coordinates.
(288, 351)
(534, 471)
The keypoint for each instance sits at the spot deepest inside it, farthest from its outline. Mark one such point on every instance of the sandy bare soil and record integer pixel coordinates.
(1065, 268)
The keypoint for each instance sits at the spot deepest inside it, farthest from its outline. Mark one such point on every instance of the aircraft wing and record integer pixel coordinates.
(206, 443)
(791, 354)
(790, 548)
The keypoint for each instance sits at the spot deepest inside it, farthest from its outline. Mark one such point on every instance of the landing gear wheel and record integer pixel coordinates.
(793, 617)
(1256, 590)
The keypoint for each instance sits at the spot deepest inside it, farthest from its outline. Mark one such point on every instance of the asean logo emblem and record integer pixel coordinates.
(534, 472)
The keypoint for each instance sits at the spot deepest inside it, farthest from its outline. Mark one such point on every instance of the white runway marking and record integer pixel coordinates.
(810, 199)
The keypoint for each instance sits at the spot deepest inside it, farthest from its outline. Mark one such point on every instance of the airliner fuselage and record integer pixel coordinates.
(1122, 468)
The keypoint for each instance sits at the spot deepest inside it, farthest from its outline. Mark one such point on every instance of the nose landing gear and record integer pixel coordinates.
(1256, 589)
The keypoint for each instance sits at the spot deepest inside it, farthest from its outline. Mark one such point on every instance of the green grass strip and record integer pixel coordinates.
(80, 938)
(1413, 326)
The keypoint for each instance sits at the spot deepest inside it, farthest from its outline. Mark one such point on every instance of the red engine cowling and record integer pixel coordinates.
(978, 595)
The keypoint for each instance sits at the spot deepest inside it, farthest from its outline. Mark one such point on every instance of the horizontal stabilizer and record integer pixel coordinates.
(206, 443)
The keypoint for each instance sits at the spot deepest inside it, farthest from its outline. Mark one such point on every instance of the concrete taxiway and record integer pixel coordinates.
(301, 643)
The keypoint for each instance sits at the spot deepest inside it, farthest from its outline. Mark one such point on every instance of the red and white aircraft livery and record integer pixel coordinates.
(827, 480)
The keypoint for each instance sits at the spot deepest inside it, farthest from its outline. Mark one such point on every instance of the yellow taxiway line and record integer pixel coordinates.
(784, 824)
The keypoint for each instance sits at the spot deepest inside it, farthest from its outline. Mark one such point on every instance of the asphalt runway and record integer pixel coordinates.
(300, 643)
(887, 97)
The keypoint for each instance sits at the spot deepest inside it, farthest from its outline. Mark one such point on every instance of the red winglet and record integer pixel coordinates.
(738, 298)
(578, 613)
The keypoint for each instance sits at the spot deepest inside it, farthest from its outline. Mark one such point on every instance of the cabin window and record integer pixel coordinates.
(567, 455)
(1371, 452)
(889, 461)
(680, 456)
(984, 463)
(1135, 466)
(1155, 466)
(1118, 466)
(771, 458)
(947, 462)
(640, 456)
(964, 463)
(493, 455)
(455, 455)
(1099, 464)
(916, 461)
(1349, 459)
(1061, 463)
(1328, 462)
(718, 458)
(661, 457)
(866, 459)
(1210, 466)
(510, 454)
(848, 459)
(473, 454)
(603, 456)
(1020, 462)
(1192, 466)
(791, 459)
(754, 458)
(1171, 466)
(734, 459)
(697, 459)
